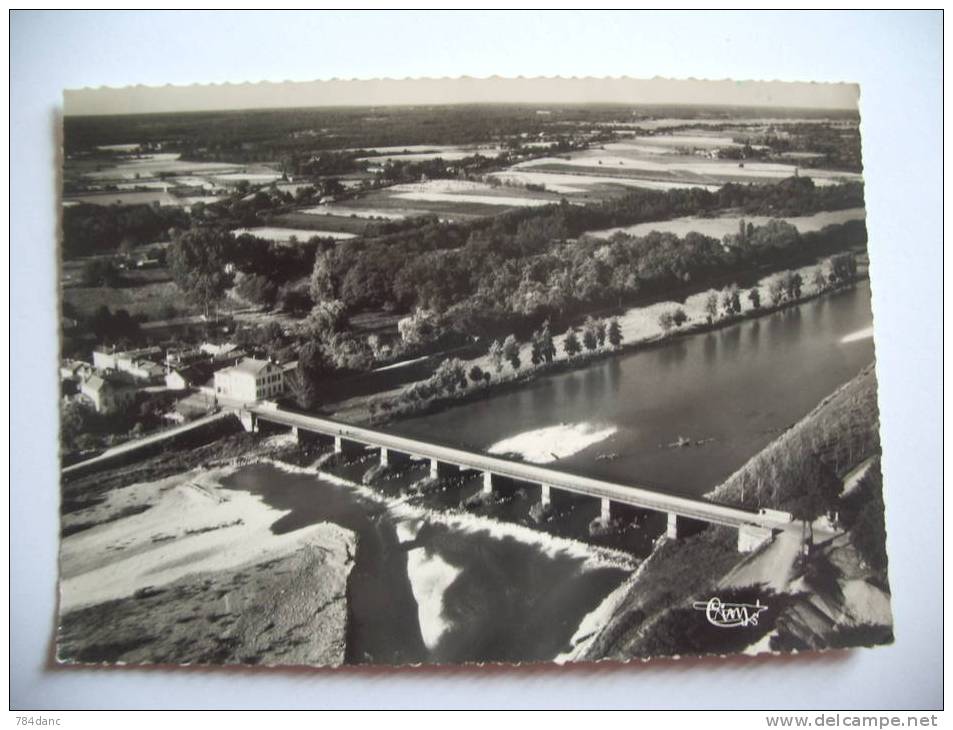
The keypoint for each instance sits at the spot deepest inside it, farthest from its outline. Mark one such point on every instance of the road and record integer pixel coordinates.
(632, 495)
(155, 438)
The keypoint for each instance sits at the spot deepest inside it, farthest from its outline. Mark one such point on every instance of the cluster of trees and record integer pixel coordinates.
(240, 136)
(526, 263)
(672, 318)
(452, 376)
(82, 428)
(100, 271)
(90, 229)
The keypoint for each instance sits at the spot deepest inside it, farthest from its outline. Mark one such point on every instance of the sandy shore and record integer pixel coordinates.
(182, 570)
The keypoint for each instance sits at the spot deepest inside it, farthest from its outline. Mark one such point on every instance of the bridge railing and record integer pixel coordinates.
(636, 496)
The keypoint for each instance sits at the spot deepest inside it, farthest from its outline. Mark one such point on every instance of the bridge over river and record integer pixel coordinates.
(685, 515)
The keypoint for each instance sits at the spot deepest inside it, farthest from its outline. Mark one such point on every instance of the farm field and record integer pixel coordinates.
(339, 222)
(146, 166)
(150, 299)
(417, 153)
(331, 210)
(724, 225)
(676, 168)
(661, 159)
(285, 235)
(448, 199)
(588, 185)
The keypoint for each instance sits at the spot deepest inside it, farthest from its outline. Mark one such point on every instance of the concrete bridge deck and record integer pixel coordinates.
(631, 495)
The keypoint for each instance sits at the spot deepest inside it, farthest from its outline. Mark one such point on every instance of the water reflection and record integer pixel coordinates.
(731, 342)
(731, 389)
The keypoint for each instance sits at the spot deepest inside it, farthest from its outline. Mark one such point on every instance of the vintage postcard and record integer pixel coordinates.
(466, 371)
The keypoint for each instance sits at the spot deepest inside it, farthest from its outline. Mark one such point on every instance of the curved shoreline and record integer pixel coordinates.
(516, 380)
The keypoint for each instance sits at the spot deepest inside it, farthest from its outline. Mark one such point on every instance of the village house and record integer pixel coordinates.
(190, 376)
(142, 364)
(250, 380)
(108, 394)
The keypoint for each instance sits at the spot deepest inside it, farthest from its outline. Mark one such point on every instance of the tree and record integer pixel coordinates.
(731, 300)
(100, 272)
(711, 307)
(421, 328)
(127, 246)
(326, 318)
(679, 317)
(536, 350)
(735, 299)
(792, 284)
(546, 344)
(496, 355)
(843, 267)
(819, 280)
(257, 289)
(312, 368)
(322, 284)
(776, 290)
(197, 260)
(601, 332)
(589, 337)
(571, 343)
(476, 374)
(511, 351)
(754, 296)
(77, 418)
(615, 333)
(450, 375)
(666, 321)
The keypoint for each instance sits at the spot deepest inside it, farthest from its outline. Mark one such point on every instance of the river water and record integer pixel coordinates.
(730, 391)
(432, 586)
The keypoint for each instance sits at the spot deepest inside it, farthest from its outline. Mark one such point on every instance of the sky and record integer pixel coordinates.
(384, 92)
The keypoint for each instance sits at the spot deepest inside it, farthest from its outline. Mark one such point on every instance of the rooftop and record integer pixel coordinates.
(250, 365)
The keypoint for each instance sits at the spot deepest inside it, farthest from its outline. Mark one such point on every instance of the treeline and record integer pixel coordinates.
(93, 229)
(453, 379)
(248, 136)
(529, 263)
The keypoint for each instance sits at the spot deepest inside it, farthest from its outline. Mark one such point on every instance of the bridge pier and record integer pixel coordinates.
(439, 469)
(498, 485)
(304, 437)
(557, 499)
(346, 446)
(751, 537)
(389, 457)
(605, 511)
(679, 526)
(249, 421)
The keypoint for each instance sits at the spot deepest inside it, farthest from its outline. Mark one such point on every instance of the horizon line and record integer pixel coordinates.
(358, 93)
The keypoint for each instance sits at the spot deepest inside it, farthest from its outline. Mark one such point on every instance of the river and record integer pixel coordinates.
(431, 588)
(436, 586)
(730, 391)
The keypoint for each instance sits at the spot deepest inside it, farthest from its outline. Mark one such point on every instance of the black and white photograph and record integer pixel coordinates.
(421, 383)
(476, 359)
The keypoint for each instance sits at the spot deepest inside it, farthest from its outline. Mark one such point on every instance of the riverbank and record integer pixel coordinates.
(837, 595)
(180, 570)
(188, 568)
(640, 327)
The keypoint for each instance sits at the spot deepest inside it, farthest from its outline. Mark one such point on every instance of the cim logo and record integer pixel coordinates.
(730, 615)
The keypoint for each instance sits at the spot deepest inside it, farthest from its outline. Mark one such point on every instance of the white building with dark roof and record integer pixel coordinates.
(108, 394)
(250, 380)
